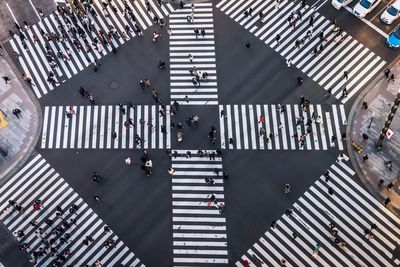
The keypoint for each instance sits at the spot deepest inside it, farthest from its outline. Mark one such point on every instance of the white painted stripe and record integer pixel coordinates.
(290, 125)
(59, 123)
(222, 127)
(230, 129)
(44, 129)
(80, 127)
(146, 127)
(237, 127)
(154, 127)
(314, 129)
(87, 127)
(253, 121)
(161, 135)
(330, 131)
(117, 127)
(66, 131)
(275, 124)
(337, 127)
(94, 126)
(109, 123)
(267, 126)
(244, 122)
(168, 125)
(102, 126)
(259, 125)
(322, 127)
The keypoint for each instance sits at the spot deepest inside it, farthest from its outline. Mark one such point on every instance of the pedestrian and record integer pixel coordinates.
(387, 73)
(17, 113)
(91, 99)
(289, 212)
(344, 92)
(203, 32)
(225, 175)
(387, 201)
(262, 119)
(248, 45)
(276, 4)
(299, 81)
(97, 199)
(223, 113)
(286, 188)
(326, 175)
(294, 235)
(288, 62)
(231, 141)
(346, 75)
(6, 79)
(391, 78)
(190, 56)
(321, 35)
(278, 38)
(128, 161)
(330, 191)
(365, 158)
(311, 21)
(96, 177)
(196, 32)
(273, 224)
(171, 171)
(27, 79)
(333, 138)
(380, 183)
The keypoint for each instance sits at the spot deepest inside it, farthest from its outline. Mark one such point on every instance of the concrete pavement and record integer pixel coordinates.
(369, 122)
(19, 136)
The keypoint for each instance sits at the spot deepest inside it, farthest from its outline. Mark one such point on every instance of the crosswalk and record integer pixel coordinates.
(199, 229)
(106, 127)
(188, 52)
(273, 127)
(350, 207)
(326, 68)
(75, 52)
(38, 180)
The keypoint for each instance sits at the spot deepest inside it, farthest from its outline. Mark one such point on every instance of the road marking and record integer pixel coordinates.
(34, 8)
(12, 14)
(369, 24)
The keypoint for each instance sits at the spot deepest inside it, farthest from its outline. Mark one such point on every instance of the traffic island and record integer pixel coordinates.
(374, 142)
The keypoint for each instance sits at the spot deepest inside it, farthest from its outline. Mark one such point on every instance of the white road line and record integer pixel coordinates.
(222, 126)
(370, 24)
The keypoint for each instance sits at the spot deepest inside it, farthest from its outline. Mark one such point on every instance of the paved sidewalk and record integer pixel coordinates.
(19, 136)
(380, 100)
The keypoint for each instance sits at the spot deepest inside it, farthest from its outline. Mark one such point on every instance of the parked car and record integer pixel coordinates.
(393, 41)
(391, 13)
(364, 7)
(338, 4)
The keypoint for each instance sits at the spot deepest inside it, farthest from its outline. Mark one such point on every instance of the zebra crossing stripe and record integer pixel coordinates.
(92, 127)
(350, 207)
(38, 180)
(34, 63)
(243, 123)
(199, 230)
(327, 70)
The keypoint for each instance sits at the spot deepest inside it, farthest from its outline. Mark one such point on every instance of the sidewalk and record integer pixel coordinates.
(380, 100)
(19, 136)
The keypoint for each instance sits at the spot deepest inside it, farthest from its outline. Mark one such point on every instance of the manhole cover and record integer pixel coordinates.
(114, 85)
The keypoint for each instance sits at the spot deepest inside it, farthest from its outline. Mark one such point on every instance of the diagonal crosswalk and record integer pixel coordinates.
(192, 55)
(326, 67)
(83, 38)
(289, 128)
(199, 228)
(44, 229)
(106, 127)
(350, 207)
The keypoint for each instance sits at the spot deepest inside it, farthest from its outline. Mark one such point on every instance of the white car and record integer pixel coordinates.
(391, 13)
(364, 7)
(338, 4)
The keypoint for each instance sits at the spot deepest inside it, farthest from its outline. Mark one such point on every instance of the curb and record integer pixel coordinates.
(21, 161)
(353, 111)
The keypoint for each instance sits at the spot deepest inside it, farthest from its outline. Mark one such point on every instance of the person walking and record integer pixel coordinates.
(248, 45)
(128, 161)
(299, 81)
(171, 171)
(286, 188)
(278, 38)
(346, 75)
(17, 113)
